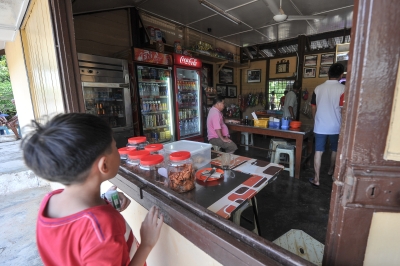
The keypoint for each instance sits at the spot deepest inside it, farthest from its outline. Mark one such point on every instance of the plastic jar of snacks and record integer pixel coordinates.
(138, 142)
(180, 171)
(155, 149)
(124, 151)
(150, 166)
(134, 157)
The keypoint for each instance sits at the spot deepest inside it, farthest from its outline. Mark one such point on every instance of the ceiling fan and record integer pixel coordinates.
(280, 16)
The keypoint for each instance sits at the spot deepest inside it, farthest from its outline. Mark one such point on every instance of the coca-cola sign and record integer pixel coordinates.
(187, 61)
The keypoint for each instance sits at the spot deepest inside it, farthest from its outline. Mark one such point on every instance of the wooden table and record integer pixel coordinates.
(304, 133)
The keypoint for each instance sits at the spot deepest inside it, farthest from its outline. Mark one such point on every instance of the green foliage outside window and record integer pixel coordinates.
(6, 93)
(278, 86)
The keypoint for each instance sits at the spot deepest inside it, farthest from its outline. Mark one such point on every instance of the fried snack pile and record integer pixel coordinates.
(182, 180)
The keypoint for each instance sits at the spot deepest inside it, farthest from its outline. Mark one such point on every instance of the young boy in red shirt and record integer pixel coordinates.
(75, 225)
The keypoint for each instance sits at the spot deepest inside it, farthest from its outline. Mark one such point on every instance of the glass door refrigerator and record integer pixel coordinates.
(106, 93)
(188, 98)
(154, 84)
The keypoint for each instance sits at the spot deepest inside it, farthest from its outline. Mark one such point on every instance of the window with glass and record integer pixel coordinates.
(277, 88)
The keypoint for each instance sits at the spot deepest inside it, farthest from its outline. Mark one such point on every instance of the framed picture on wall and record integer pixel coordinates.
(310, 60)
(309, 72)
(221, 89)
(327, 59)
(231, 91)
(323, 71)
(254, 75)
(226, 75)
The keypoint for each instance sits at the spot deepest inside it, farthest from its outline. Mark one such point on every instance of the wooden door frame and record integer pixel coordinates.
(360, 165)
(64, 37)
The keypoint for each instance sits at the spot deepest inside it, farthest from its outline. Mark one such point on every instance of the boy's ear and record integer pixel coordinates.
(102, 165)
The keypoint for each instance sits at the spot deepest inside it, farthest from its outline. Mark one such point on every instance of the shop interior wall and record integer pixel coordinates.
(310, 84)
(105, 34)
(255, 87)
(292, 67)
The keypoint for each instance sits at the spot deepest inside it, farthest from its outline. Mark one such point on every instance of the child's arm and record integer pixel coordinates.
(149, 233)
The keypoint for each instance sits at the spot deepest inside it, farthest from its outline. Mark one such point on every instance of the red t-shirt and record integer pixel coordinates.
(95, 236)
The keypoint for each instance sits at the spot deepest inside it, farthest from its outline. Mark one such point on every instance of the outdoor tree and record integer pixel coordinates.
(6, 93)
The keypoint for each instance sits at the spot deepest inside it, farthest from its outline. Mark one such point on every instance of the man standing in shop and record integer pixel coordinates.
(218, 133)
(326, 104)
(290, 106)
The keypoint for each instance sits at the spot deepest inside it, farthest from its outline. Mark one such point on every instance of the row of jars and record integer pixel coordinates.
(148, 159)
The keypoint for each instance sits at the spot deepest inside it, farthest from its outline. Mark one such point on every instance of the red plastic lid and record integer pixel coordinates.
(126, 150)
(152, 159)
(154, 147)
(137, 155)
(179, 156)
(136, 140)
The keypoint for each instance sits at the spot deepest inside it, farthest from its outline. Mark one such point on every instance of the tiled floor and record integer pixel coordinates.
(290, 203)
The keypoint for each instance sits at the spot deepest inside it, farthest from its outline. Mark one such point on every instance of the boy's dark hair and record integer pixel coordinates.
(335, 70)
(64, 149)
(219, 98)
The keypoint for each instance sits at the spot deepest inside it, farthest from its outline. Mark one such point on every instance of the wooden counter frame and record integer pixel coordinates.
(224, 241)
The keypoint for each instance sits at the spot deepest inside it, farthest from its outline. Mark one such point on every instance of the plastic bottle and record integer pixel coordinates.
(179, 98)
(140, 90)
(246, 121)
(187, 130)
(181, 128)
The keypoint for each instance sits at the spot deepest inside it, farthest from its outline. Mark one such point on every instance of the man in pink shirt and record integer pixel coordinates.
(218, 133)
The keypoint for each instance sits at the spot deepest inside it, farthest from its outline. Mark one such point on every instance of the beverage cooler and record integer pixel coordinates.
(188, 98)
(106, 93)
(154, 84)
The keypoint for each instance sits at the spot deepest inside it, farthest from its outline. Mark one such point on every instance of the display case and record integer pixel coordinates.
(156, 101)
(109, 101)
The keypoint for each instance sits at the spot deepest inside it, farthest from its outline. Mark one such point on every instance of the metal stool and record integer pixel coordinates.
(246, 136)
(238, 213)
(272, 146)
(216, 148)
(289, 150)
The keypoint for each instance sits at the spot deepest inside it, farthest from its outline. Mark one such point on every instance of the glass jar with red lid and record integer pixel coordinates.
(155, 149)
(150, 166)
(135, 156)
(138, 142)
(180, 171)
(124, 151)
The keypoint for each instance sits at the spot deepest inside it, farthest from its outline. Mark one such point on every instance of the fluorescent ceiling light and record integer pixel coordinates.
(219, 11)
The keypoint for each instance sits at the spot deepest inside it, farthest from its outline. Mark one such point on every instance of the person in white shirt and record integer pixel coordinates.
(326, 104)
(290, 106)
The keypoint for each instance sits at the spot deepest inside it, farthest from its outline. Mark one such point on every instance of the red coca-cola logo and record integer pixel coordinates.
(187, 61)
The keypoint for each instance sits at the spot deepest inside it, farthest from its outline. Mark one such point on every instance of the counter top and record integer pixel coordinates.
(188, 215)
